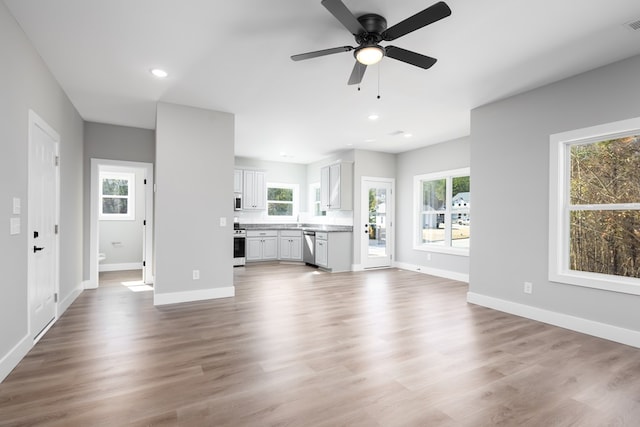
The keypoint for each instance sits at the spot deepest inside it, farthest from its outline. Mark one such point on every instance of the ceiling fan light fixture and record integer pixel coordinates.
(369, 55)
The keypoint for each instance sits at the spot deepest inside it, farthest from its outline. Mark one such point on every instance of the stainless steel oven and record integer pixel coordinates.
(239, 246)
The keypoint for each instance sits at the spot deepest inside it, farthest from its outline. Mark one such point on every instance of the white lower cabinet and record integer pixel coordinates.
(262, 245)
(333, 251)
(291, 245)
(322, 250)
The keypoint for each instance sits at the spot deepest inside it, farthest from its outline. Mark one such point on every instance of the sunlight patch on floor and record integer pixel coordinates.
(137, 286)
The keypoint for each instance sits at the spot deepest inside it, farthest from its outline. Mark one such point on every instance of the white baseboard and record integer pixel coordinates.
(66, 303)
(120, 267)
(88, 284)
(453, 275)
(14, 356)
(189, 296)
(578, 324)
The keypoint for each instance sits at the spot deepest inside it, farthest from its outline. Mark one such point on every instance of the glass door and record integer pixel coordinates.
(377, 221)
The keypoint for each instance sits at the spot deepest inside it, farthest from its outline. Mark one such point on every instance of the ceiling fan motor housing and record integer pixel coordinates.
(374, 26)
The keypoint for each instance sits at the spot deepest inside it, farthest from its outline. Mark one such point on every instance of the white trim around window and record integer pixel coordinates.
(446, 245)
(130, 179)
(560, 207)
(294, 202)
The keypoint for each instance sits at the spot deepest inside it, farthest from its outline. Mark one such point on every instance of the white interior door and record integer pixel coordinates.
(377, 222)
(42, 228)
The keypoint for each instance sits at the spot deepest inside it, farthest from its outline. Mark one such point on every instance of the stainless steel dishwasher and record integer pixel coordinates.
(309, 247)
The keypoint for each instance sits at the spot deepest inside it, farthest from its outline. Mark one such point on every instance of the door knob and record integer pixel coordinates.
(36, 249)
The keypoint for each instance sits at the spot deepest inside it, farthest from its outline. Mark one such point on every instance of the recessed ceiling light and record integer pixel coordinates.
(370, 140)
(408, 135)
(374, 117)
(159, 73)
(349, 145)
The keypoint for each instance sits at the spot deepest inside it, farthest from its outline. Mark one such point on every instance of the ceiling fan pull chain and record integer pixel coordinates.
(379, 66)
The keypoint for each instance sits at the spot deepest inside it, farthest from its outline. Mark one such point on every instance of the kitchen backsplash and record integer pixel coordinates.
(332, 218)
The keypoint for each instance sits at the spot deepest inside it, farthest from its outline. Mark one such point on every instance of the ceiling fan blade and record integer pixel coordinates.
(410, 57)
(323, 52)
(421, 19)
(344, 15)
(357, 74)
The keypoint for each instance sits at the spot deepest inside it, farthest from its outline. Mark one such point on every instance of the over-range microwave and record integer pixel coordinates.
(237, 201)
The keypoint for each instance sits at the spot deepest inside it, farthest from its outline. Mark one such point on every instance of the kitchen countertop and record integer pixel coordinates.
(303, 227)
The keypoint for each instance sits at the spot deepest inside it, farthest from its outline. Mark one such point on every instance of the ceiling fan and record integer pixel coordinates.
(370, 29)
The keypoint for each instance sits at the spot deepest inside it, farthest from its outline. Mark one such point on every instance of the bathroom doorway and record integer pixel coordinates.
(121, 219)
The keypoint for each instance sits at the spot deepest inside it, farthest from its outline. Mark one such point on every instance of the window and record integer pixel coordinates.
(594, 228)
(282, 200)
(117, 191)
(442, 206)
(314, 193)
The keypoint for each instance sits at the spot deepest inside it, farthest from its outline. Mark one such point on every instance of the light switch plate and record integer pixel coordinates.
(16, 206)
(14, 226)
(223, 221)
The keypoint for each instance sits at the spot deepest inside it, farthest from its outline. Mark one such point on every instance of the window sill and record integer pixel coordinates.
(115, 218)
(604, 282)
(442, 250)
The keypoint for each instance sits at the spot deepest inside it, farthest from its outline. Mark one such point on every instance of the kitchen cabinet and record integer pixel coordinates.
(255, 190)
(262, 245)
(237, 181)
(322, 250)
(334, 251)
(336, 187)
(290, 242)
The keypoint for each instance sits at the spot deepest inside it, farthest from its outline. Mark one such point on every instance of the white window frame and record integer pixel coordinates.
(559, 207)
(417, 209)
(131, 197)
(296, 205)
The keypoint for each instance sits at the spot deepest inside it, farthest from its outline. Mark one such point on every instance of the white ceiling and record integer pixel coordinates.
(233, 56)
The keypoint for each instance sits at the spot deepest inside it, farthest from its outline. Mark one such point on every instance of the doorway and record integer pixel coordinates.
(121, 218)
(42, 225)
(377, 219)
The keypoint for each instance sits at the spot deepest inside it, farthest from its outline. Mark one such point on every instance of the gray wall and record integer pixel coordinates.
(111, 142)
(26, 83)
(434, 158)
(510, 179)
(121, 241)
(194, 177)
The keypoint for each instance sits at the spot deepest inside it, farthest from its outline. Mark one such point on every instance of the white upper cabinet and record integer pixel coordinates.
(255, 190)
(336, 186)
(237, 181)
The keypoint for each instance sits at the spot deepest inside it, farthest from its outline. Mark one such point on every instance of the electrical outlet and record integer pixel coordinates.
(428, 257)
(196, 274)
(528, 287)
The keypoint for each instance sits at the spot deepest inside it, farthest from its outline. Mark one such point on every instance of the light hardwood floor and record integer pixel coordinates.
(300, 347)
